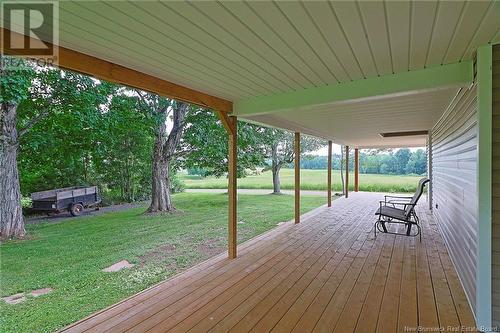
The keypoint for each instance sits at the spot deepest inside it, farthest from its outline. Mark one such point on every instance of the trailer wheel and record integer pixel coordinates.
(76, 209)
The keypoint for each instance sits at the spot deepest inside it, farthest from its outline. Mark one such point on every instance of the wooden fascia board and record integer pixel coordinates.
(457, 74)
(108, 71)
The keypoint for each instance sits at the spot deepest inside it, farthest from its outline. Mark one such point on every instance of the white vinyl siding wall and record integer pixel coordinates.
(454, 177)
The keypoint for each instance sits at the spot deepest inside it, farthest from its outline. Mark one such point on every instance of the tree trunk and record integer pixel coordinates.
(164, 151)
(11, 215)
(161, 200)
(128, 182)
(275, 168)
(276, 180)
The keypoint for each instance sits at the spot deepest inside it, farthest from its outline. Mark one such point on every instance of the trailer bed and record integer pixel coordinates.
(67, 198)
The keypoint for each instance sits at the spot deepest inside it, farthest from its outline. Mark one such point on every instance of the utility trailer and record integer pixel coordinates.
(73, 199)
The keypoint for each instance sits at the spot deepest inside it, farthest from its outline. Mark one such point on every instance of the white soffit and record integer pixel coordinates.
(358, 123)
(236, 49)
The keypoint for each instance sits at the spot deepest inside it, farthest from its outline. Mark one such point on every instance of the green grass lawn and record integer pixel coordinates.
(69, 256)
(310, 180)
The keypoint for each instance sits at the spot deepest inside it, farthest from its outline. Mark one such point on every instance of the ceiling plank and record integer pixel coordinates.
(307, 28)
(448, 16)
(290, 42)
(470, 22)
(107, 20)
(243, 37)
(486, 31)
(329, 26)
(198, 39)
(424, 20)
(452, 75)
(77, 39)
(399, 22)
(350, 21)
(105, 70)
(374, 17)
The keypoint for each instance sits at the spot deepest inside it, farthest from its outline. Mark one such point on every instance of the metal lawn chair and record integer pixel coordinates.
(400, 209)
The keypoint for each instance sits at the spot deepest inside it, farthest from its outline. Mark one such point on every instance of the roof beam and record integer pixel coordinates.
(444, 76)
(108, 71)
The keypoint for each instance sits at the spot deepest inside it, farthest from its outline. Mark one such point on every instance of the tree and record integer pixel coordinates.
(166, 146)
(61, 149)
(29, 98)
(122, 151)
(417, 163)
(208, 144)
(14, 88)
(279, 151)
(402, 157)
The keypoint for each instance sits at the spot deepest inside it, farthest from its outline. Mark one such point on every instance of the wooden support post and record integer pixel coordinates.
(230, 124)
(329, 177)
(356, 170)
(297, 177)
(347, 171)
(232, 189)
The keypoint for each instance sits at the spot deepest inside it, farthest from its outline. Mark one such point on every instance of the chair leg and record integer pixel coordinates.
(408, 229)
(382, 222)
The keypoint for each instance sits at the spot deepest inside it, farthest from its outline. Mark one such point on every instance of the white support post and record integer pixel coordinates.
(484, 188)
(429, 169)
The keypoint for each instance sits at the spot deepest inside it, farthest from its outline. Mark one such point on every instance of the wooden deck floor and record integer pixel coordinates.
(327, 274)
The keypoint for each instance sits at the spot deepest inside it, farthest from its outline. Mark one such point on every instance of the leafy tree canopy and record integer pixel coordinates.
(209, 144)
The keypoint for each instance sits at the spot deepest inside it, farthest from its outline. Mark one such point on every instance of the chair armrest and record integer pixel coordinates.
(398, 197)
(401, 203)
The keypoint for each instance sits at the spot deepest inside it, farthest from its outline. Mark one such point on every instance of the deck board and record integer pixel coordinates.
(327, 274)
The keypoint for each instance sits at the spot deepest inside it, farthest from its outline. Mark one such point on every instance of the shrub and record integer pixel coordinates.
(176, 184)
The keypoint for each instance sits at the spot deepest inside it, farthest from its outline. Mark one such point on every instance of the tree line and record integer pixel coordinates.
(400, 162)
(60, 128)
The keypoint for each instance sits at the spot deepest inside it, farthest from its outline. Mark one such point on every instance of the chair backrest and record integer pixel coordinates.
(420, 190)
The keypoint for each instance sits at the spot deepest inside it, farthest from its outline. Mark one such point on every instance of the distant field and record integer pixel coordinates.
(310, 180)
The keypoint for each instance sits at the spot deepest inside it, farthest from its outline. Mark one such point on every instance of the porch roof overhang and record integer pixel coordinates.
(345, 71)
(356, 113)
